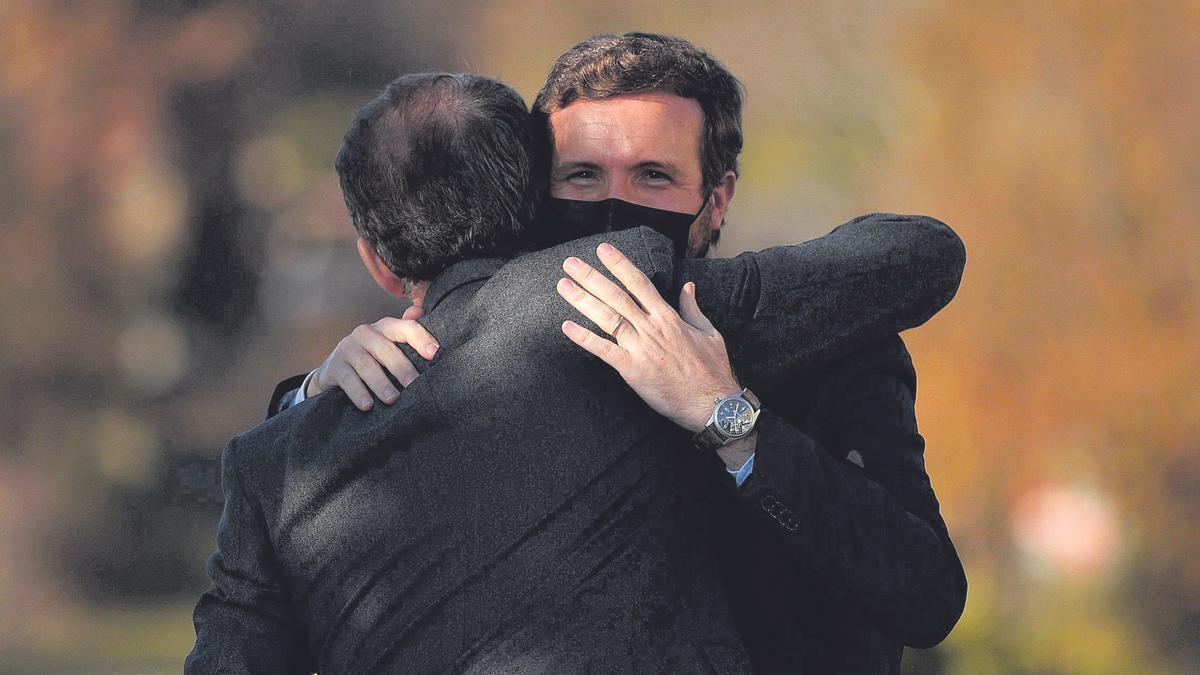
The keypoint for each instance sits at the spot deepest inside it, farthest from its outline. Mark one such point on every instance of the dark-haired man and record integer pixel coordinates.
(847, 558)
(836, 556)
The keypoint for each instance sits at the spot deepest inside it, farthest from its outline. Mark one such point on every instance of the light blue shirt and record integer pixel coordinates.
(743, 473)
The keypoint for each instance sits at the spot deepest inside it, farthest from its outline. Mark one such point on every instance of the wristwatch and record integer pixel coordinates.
(733, 418)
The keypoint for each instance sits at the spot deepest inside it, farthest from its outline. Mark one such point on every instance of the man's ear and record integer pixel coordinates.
(722, 195)
(384, 277)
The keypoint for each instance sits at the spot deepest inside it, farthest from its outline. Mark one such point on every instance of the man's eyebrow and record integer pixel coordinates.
(665, 166)
(571, 166)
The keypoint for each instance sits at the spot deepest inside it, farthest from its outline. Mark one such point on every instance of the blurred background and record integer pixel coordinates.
(173, 243)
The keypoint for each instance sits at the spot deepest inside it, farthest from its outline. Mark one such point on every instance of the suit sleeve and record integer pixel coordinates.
(789, 308)
(859, 508)
(244, 622)
(284, 394)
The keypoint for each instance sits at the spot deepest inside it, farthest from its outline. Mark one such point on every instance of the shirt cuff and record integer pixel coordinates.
(300, 393)
(741, 474)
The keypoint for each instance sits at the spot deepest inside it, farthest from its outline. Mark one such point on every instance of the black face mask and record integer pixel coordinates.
(567, 219)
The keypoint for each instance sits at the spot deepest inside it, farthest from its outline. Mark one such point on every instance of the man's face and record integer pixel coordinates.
(641, 148)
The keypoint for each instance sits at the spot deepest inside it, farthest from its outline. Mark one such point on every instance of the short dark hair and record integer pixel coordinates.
(442, 167)
(604, 66)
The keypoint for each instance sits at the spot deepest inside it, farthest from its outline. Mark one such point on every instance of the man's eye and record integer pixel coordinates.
(653, 175)
(582, 174)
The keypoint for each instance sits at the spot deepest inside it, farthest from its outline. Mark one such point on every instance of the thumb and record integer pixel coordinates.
(413, 312)
(690, 311)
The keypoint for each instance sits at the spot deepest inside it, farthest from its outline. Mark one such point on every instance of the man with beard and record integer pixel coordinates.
(832, 548)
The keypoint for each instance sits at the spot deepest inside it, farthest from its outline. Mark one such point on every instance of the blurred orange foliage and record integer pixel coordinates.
(1059, 394)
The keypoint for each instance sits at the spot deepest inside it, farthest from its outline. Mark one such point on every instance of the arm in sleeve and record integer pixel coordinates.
(874, 531)
(244, 621)
(287, 394)
(786, 309)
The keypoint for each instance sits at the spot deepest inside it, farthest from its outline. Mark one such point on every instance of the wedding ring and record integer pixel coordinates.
(613, 332)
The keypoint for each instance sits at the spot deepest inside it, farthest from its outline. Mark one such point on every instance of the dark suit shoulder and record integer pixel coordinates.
(650, 251)
(255, 451)
(276, 441)
(520, 298)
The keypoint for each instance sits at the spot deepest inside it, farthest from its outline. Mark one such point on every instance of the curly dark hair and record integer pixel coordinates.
(604, 66)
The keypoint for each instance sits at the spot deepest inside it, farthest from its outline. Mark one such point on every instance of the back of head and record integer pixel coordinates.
(440, 168)
(604, 66)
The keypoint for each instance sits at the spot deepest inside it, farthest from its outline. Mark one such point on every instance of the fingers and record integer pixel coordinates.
(357, 363)
(380, 351)
(408, 332)
(586, 304)
(340, 374)
(413, 312)
(606, 351)
(604, 290)
(632, 278)
(689, 310)
(370, 349)
(366, 368)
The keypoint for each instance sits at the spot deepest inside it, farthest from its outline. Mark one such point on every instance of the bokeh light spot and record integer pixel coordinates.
(126, 449)
(146, 220)
(1066, 530)
(153, 353)
(269, 172)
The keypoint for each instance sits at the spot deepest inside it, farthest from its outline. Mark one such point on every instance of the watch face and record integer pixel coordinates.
(735, 417)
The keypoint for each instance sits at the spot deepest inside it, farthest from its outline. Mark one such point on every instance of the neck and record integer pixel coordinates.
(415, 291)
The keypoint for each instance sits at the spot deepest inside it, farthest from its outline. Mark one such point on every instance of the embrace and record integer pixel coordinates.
(597, 448)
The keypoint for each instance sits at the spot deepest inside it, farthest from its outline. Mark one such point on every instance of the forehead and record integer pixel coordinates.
(632, 126)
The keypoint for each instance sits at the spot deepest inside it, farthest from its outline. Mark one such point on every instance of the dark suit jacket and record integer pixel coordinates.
(833, 551)
(518, 509)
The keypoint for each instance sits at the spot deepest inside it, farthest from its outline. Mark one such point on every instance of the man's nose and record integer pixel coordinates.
(618, 190)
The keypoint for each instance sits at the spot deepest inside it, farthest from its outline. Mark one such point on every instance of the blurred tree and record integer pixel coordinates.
(1058, 138)
(174, 242)
(132, 263)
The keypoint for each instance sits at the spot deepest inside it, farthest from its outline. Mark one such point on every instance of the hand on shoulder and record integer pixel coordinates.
(357, 363)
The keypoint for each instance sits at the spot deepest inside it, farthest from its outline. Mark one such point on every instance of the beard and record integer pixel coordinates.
(702, 236)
